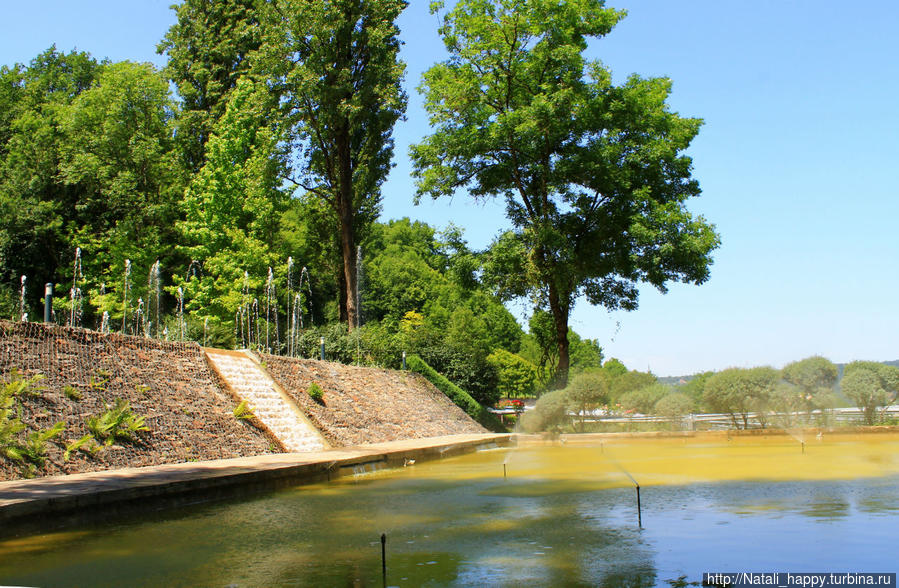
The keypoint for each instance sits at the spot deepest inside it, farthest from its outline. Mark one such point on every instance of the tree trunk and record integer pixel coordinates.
(345, 218)
(560, 320)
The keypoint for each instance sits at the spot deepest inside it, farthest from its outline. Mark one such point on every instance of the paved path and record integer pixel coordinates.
(58, 494)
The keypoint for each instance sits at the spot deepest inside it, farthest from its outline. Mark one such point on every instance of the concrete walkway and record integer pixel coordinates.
(208, 480)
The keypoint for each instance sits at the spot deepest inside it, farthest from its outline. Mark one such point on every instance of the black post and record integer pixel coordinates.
(48, 302)
(639, 510)
(404, 360)
(504, 471)
(322, 340)
(803, 446)
(384, 558)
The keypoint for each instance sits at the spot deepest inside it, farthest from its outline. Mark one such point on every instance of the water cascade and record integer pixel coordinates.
(125, 293)
(23, 316)
(271, 314)
(138, 320)
(182, 325)
(154, 291)
(76, 299)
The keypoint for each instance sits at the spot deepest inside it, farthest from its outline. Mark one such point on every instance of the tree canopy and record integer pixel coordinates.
(594, 174)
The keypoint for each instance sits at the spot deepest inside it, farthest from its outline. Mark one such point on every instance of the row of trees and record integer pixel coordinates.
(280, 137)
(784, 398)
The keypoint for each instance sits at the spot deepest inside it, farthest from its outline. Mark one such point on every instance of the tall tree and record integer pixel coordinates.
(36, 205)
(593, 174)
(335, 66)
(118, 152)
(209, 49)
(233, 206)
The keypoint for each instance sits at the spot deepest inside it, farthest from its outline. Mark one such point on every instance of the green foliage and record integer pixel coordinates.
(209, 49)
(594, 175)
(815, 378)
(459, 396)
(643, 400)
(550, 413)
(516, 376)
(35, 449)
(243, 411)
(37, 208)
(315, 392)
(739, 391)
(334, 68)
(870, 385)
(31, 452)
(674, 405)
(232, 208)
(87, 444)
(118, 423)
(587, 391)
(71, 392)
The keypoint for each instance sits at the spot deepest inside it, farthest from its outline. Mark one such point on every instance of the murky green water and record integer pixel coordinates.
(563, 516)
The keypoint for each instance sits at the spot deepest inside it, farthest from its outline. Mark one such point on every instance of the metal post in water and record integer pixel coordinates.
(322, 341)
(384, 558)
(803, 446)
(639, 510)
(504, 471)
(48, 302)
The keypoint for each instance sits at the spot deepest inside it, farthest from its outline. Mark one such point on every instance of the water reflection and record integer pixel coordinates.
(563, 516)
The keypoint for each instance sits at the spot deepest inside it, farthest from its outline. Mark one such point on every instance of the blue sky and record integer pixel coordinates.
(797, 160)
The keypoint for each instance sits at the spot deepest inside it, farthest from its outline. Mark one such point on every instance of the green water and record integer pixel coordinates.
(563, 516)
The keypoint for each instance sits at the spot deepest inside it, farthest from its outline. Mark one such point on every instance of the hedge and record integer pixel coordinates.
(460, 397)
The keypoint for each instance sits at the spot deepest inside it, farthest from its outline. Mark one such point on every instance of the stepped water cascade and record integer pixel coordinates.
(269, 404)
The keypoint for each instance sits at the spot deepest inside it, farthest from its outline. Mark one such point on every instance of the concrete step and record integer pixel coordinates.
(249, 381)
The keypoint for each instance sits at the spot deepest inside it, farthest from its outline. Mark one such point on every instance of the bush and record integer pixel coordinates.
(315, 392)
(460, 397)
(674, 406)
(643, 400)
(516, 376)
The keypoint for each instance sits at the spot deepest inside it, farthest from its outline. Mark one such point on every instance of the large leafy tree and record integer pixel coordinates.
(118, 151)
(209, 49)
(593, 174)
(336, 69)
(870, 385)
(234, 205)
(37, 207)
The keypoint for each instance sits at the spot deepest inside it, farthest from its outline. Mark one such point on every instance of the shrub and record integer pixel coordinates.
(315, 392)
(460, 397)
(516, 376)
(117, 423)
(243, 411)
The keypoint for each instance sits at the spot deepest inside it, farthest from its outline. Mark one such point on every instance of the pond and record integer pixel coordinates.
(563, 515)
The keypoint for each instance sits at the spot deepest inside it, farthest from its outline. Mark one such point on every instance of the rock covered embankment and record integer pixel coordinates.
(188, 410)
(188, 416)
(368, 405)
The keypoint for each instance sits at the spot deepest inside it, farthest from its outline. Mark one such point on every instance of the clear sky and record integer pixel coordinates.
(797, 160)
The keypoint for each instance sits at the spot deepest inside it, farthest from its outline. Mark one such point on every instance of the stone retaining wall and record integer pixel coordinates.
(170, 384)
(368, 405)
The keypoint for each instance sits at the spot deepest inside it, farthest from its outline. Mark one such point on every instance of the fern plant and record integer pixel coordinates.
(81, 444)
(243, 411)
(117, 423)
